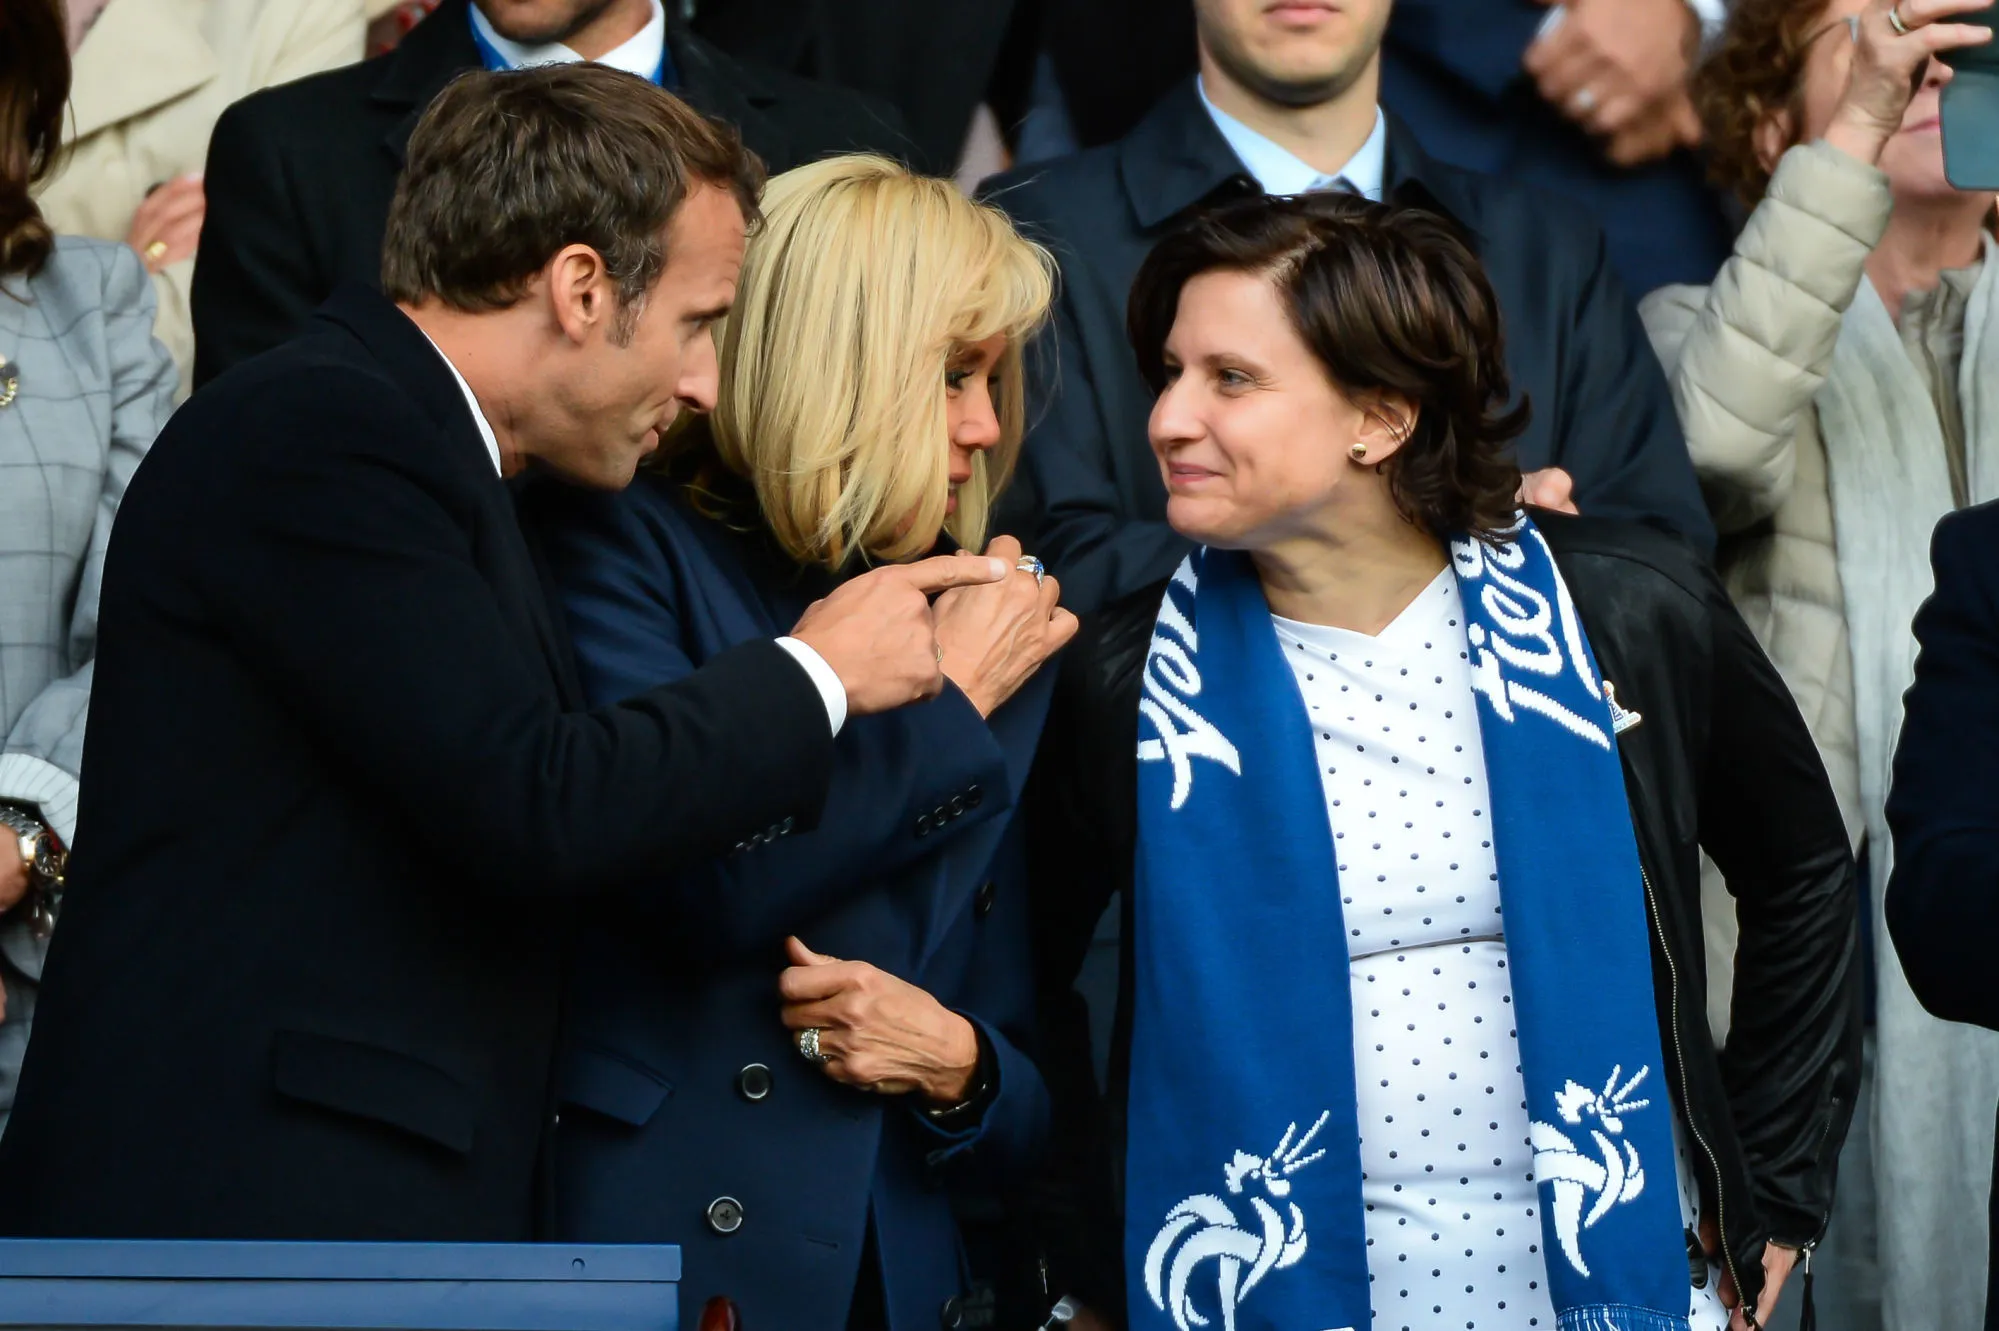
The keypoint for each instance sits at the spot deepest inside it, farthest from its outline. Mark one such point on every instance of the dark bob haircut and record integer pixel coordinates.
(1392, 302)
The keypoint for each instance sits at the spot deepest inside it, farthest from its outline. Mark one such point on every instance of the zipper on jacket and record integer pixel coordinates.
(1693, 1128)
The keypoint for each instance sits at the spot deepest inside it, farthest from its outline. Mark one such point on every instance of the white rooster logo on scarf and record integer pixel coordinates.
(1614, 1175)
(1243, 1253)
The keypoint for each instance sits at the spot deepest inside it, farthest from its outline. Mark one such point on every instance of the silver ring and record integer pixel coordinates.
(808, 1045)
(1895, 21)
(1584, 101)
(1030, 564)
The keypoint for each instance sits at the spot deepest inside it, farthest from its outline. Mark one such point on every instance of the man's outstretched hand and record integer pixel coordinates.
(878, 634)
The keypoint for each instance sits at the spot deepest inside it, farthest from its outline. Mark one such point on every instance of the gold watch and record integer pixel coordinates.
(46, 860)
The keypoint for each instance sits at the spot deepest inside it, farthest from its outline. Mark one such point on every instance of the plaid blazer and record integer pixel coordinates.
(89, 388)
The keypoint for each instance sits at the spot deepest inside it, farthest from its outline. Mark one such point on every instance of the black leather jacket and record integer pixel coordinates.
(1721, 761)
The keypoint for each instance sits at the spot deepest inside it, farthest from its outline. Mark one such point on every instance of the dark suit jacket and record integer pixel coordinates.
(339, 801)
(915, 868)
(1098, 508)
(1451, 70)
(300, 176)
(932, 62)
(1943, 897)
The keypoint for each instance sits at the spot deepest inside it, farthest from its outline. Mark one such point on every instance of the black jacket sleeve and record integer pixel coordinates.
(1769, 821)
(1082, 833)
(346, 574)
(1943, 897)
(254, 284)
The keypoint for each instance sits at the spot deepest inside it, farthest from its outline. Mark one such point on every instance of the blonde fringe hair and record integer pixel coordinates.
(863, 285)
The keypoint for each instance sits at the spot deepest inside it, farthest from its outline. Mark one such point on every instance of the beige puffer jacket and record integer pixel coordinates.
(1745, 357)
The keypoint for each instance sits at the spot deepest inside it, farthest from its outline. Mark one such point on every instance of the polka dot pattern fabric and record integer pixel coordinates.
(1453, 1216)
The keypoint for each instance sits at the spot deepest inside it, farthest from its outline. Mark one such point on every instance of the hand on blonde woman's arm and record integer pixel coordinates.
(877, 1032)
(996, 636)
(1889, 66)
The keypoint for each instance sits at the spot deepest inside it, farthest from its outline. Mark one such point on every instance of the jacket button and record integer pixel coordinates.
(788, 824)
(923, 825)
(753, 1082)
(953, 1314)
(982, 904)
(725, 1215)
(972, 797)
(958, 806)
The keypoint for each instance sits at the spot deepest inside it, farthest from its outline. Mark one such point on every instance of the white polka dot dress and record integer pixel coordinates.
(1453, 1218)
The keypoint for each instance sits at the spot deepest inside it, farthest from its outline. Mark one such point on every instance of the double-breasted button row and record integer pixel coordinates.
(956, 807)
(754, 1082)
(768, 835)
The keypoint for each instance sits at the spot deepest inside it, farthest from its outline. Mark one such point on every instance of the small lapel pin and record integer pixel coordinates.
(1621, 720)
(10, 382)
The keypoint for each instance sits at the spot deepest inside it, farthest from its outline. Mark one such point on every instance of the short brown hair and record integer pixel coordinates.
(505, 169)
(34, 88)
(1391, 301)
(1755, 70)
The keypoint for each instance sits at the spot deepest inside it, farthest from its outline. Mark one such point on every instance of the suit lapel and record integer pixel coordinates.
(436, 51)
(416, 367)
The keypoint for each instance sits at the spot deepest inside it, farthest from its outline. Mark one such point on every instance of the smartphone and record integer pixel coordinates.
(1971, 109)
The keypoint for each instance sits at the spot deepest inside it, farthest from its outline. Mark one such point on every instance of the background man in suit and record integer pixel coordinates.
(299, 177)
(1286, 102)
(338, 787)
(933, 62)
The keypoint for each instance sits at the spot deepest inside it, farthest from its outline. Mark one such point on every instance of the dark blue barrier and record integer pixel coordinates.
(62, 1283)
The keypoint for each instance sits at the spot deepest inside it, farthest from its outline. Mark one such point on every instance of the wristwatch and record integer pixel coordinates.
(47, 861)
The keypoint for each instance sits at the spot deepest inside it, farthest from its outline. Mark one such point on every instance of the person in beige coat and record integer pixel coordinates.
(1838, 385)
(151, 76)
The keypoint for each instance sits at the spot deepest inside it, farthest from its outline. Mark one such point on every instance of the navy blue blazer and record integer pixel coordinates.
(687, 1115)
(1451, 70)
(1943, 897)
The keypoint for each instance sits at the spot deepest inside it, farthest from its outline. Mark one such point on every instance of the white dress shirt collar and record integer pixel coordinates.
(472, 402)
(1280, 171)
(641, 55)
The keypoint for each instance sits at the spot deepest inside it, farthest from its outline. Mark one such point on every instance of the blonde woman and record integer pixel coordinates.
(787, 1069)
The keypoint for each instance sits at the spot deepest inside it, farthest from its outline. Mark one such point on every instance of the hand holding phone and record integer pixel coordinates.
(1970, 110)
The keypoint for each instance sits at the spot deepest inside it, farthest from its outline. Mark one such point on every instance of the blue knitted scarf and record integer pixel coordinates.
(1243, 1190)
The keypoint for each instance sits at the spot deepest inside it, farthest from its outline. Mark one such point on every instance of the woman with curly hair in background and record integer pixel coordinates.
(1838, 384)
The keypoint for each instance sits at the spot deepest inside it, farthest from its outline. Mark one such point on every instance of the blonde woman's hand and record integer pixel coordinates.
(1889, 67)
(877, 633)
(877, 1032)
(996, 636)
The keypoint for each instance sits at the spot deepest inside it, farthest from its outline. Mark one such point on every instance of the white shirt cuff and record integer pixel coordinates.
(831, 691)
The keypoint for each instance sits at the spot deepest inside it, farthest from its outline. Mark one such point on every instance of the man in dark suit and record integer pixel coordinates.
(933, 62)
(299, 177)
(1286, 102)
(341, 794)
